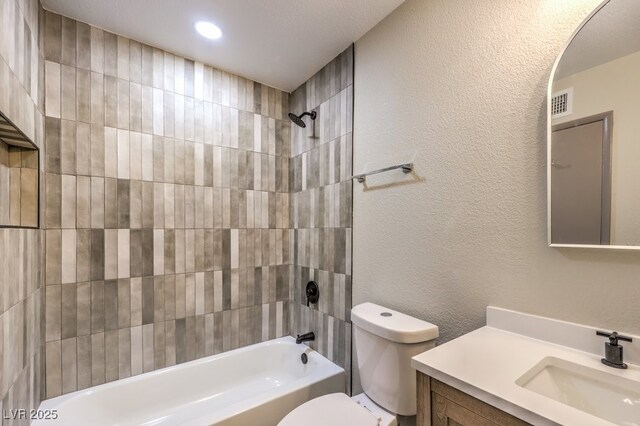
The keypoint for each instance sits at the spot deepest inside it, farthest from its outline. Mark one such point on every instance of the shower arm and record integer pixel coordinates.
(311, 114)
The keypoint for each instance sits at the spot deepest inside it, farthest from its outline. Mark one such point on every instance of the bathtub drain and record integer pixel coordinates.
(304, 358)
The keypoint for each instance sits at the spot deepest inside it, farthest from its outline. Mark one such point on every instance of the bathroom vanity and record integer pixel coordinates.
(525, 369)
(440, 404)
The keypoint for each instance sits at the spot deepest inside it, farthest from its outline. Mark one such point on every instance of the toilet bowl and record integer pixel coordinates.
(338, 409)
(385, 341)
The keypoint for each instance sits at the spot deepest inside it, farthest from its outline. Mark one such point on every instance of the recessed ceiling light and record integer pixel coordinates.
(208, 30)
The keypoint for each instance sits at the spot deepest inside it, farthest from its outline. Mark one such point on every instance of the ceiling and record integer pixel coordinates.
(277, 42)
(613, 32)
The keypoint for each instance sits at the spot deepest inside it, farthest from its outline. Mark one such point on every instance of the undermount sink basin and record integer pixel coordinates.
(608, 396)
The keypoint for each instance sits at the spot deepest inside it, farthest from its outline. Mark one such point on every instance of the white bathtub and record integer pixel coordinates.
(255, 385)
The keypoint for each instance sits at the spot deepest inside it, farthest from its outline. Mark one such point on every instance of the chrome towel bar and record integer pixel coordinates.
(406, 167)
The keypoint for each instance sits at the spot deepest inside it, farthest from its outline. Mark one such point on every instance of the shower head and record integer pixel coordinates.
(297, 119)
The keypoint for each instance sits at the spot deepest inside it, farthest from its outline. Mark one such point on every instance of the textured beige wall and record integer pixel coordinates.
(614, 86)
(463, 84)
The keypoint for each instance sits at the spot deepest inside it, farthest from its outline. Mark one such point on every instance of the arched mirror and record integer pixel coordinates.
(593, 158)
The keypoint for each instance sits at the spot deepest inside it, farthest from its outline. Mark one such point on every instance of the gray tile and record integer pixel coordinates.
(97, 254)
(68, 92)
(68, 311)
(83, 309)
(69, 366)
(53, 201)
(180, 345)
(53, 295)
(158, 299)
(83, 46)
(97, 98)
(110, 101)
(148, 347)
(147, 65)
(124, 353)
(98, 368)
(123, 104)
(135, 61)
(84, 362)
(52, 36)
(169, 297)
(159, 345)
(97, 150)
(124, 303)
(53, 363)
(97, 307)
(147, 300)
(111, 355)
(52, 144)
(111, 203)
(123, 203)
(136, 253)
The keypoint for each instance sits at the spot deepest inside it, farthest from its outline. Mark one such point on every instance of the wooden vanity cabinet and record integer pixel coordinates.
(440, 404)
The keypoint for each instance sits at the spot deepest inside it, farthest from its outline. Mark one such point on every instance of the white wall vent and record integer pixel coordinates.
(562, 103)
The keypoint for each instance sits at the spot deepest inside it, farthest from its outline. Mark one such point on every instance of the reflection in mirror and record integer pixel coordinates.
(594, 145)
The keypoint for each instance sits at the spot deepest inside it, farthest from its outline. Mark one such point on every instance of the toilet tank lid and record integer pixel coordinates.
(392, 325)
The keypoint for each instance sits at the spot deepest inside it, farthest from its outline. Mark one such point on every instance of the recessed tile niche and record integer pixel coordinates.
(19, 159)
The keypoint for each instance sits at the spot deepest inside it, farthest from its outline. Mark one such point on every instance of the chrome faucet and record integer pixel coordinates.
(307, 337)
(613, 356)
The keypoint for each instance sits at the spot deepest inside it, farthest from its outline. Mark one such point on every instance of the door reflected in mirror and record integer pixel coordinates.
(594, 140)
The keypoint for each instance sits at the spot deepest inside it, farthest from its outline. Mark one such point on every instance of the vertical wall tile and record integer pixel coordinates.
(97, 202)
(148, 358)
(53, 312)
(53, 256)
(52, 36)
(111, 355)
(69, 366)
(83, 46)
(97, 50)
(110, 101)
(124, 353)
(84, 361)
(136, 350)
(123, 58)
(83, 202)
(53, 363)
(110, 54)
(68, 270)
(98, 368)
(135, 61)
(123, 104)
(68, 92)
(52, 89)
(68, 208)
(68, 47)
(123, 253)
(83, 309)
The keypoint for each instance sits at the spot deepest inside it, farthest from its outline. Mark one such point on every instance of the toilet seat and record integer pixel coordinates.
(335, 409)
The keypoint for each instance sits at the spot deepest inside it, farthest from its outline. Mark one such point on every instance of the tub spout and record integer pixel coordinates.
(307, 337)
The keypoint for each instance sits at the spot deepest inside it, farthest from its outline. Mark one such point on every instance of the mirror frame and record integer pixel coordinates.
(549, 132)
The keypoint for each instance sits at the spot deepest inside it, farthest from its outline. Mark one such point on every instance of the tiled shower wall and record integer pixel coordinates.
(167, 208)
(20, 249)
(321, 208)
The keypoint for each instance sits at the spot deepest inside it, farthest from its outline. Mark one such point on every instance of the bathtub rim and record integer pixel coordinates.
(328, 370)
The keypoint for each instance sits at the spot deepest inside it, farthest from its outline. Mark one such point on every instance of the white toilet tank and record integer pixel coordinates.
(385, 341)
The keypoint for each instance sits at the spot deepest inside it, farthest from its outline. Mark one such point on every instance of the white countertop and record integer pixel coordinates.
(487, 362)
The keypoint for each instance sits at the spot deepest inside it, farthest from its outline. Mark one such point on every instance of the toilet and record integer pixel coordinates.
(385, 341)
